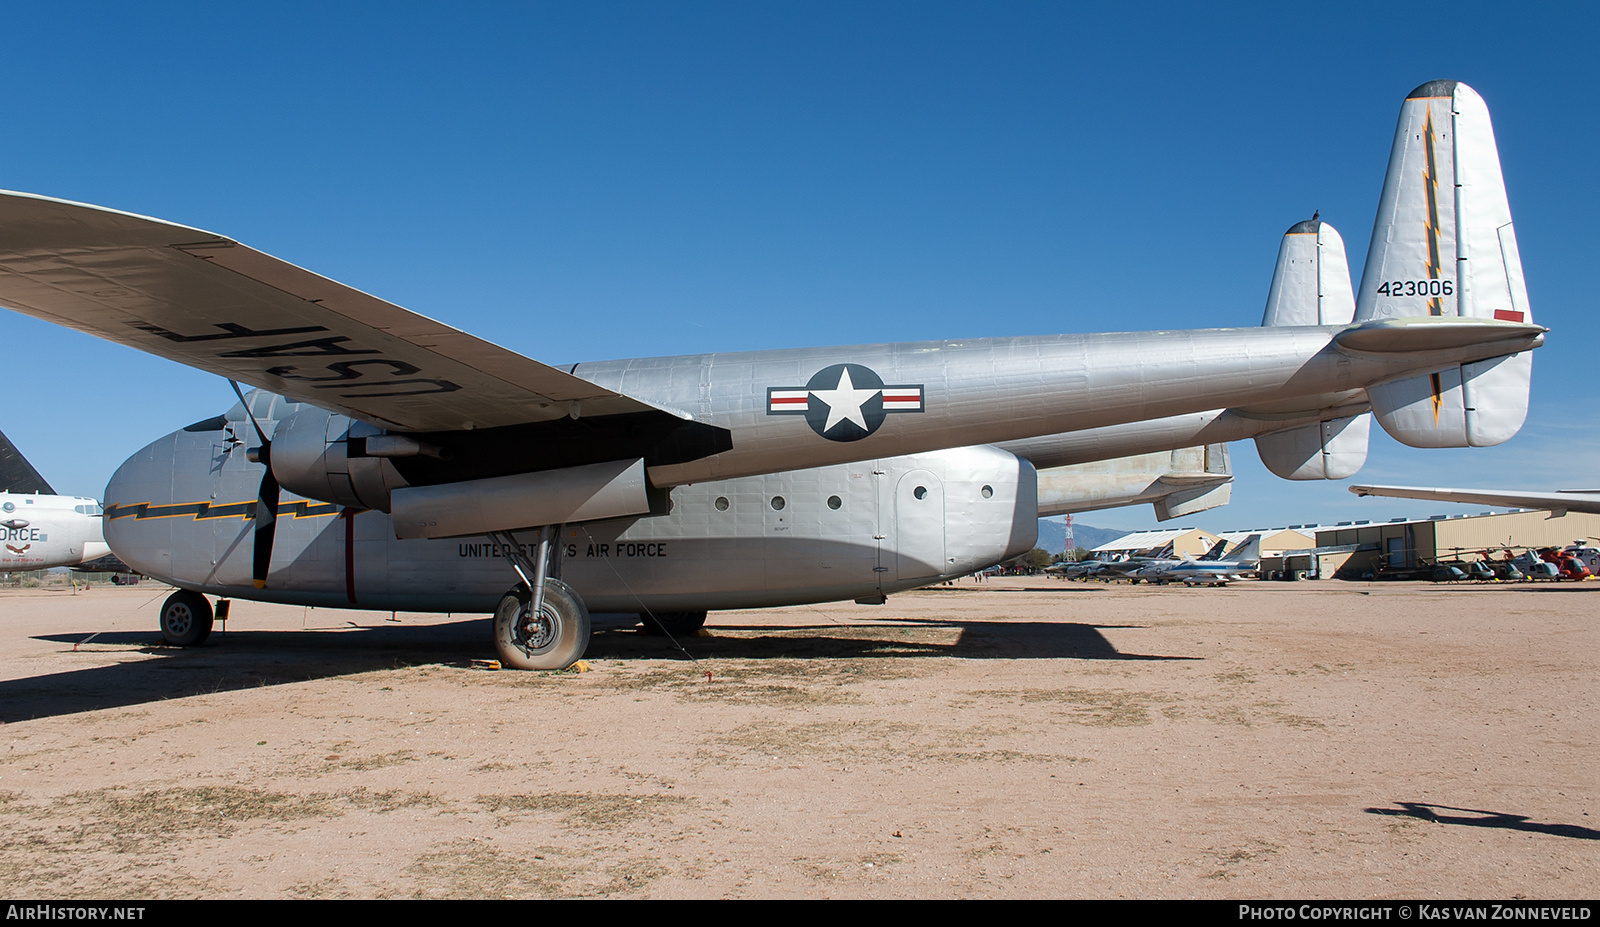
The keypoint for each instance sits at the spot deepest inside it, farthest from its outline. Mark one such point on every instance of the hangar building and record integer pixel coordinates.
(1406, 543)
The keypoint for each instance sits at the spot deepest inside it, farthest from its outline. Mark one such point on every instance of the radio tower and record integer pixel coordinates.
(1070, 546)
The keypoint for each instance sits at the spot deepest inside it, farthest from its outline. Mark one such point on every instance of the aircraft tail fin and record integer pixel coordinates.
(1311, 286)
(1311, 283)
(16, 474)
(1444, 245)
(1248, 553)
(1330, 450)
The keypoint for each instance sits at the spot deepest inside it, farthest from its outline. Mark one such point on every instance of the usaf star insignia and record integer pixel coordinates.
(845, 402)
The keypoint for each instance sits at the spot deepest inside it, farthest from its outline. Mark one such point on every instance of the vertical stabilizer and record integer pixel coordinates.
(1311, 284)
(16, 474)
(1444, 245)
(1332, 450)
(1247, 553)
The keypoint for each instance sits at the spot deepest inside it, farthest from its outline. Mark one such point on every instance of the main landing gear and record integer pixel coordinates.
(186, 619)
(552, 638)
(541, 624)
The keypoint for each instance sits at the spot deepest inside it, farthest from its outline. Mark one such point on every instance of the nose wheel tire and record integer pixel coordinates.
(552, 640)
(186, 619)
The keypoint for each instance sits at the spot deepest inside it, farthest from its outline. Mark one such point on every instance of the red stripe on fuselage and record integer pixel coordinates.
(349, 516)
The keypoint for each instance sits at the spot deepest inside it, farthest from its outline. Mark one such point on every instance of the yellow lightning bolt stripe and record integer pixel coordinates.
(1438, 398)
(201, 511)
(1430, 186)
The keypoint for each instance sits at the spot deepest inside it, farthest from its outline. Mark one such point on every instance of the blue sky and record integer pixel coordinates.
(583, 181)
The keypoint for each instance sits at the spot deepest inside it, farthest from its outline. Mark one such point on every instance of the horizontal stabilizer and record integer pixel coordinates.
(1331, 450)
(1311, 284)
(1182, 482)
(1185, 502)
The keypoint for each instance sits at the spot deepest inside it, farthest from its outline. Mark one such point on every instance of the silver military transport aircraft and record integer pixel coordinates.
(39, 529)
(389, 461)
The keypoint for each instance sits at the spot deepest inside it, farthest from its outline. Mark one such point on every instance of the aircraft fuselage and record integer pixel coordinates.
(39, 531)
(181, 511)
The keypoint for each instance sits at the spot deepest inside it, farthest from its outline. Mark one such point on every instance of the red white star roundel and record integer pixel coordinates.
(844, 402)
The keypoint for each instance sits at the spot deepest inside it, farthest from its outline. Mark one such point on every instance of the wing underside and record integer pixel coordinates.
(212, 303)
(1555, 501)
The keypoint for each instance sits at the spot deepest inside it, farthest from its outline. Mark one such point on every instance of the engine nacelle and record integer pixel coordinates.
(311, 457)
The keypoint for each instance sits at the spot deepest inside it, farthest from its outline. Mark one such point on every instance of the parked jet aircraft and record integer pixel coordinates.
(413, 452)
(1131, 566)
(40, 529)
(1239, 563)
(1561, 501)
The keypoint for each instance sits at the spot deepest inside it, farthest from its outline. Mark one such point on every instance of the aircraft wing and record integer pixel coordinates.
(209, 302)
(1555, 501)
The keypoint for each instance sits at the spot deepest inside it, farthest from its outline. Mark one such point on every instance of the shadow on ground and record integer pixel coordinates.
(249, 659)
(1470, 817)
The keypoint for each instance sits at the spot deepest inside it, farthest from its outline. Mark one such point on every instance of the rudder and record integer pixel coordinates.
(1444, 245)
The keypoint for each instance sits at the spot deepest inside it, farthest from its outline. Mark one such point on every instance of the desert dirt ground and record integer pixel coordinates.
(1019, 738)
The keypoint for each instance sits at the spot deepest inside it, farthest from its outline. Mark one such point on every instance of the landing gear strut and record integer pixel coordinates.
(541, 624)
(186, 619)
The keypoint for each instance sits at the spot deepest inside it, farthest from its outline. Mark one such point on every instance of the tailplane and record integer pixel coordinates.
(1444, 246)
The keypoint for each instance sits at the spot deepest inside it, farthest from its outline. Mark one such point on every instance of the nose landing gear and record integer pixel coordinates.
(185, 619)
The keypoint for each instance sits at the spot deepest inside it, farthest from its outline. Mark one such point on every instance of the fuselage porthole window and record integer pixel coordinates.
(778, 503)
(834, 502)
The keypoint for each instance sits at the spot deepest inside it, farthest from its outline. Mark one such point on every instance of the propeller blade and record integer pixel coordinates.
(266, 499)
(266, 527)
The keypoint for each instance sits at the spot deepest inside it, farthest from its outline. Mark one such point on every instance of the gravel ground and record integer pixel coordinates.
(1020, 738)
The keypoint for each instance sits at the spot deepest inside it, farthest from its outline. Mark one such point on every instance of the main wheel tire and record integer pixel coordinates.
(186, 619)
(554, 640)
(676, 624)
